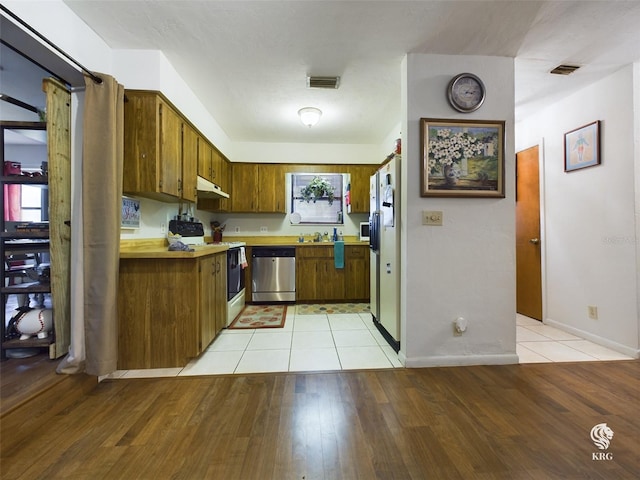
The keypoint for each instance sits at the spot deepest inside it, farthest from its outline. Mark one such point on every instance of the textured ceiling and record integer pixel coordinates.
(247, 61)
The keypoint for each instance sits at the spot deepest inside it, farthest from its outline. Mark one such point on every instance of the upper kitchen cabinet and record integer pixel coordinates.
(258, 187)
(271, 191)
(205, 154)
(214, 167)
(158, 162)
(360, 175)
(244, 186)
(190, 139)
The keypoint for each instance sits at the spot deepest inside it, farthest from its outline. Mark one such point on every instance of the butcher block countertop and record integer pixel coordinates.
(158, 247)
(265, 241)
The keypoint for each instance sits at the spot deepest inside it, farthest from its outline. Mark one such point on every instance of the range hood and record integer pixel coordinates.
(207, 189)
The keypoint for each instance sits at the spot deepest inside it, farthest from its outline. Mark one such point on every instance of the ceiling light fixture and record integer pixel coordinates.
(310, 115)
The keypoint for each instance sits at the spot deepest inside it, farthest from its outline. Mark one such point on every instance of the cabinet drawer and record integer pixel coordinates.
(356, 251)
(323, 251)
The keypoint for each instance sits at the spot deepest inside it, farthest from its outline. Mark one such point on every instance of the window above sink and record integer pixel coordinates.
(317, 198)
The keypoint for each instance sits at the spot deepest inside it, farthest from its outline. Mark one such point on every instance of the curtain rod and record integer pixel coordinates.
(93, 76)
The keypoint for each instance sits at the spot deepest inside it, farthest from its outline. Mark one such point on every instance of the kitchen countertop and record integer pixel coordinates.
(290, 241)
(158, 248)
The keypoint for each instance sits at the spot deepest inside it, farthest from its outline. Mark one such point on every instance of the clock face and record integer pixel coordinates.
(466, 92)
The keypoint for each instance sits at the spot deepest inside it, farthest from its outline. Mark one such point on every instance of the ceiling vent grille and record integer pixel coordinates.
(323, 82)
(565, 69)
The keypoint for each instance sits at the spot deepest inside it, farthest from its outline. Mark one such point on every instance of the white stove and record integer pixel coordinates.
(230, 244)
(192, 233)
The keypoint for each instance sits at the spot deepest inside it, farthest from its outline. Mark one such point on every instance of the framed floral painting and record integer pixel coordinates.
(462, 158)
(582, 147)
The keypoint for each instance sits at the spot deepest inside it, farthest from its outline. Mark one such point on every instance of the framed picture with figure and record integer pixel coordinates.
(582, 147)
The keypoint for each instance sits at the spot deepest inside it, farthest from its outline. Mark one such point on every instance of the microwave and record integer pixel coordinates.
(364, 231)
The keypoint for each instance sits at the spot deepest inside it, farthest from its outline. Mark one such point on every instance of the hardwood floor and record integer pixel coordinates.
(486, 422)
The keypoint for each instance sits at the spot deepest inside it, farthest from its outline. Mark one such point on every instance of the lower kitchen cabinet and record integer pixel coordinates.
(169, 310)
(317, 278)
(357, 264)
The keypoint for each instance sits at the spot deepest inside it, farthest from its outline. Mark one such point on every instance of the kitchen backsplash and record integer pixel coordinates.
(155, 216)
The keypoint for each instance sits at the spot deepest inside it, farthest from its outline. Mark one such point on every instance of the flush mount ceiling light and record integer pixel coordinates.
(310, 115)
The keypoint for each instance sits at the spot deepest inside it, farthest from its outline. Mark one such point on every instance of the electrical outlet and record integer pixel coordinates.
(433, 218)
(237, 229)
(163, 228)
(263, 229)
(593, 312)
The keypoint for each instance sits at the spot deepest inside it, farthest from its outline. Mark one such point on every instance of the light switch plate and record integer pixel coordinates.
(432, 217)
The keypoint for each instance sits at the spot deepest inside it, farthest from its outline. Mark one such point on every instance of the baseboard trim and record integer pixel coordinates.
(462, 360)
(605, 342)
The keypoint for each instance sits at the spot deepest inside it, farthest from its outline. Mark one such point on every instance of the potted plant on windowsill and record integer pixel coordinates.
(316, 189)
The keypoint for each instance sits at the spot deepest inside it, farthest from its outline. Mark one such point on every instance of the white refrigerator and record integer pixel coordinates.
(384, 247)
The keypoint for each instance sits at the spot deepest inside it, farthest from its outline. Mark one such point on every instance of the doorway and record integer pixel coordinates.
(528, 242)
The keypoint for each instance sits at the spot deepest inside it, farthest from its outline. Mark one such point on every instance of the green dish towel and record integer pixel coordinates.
(338, 254)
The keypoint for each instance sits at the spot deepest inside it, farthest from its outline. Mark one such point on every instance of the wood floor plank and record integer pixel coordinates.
(484, 422)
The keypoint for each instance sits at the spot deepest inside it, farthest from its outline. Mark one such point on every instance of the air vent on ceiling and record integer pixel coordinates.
(565, 69)
(323, 82)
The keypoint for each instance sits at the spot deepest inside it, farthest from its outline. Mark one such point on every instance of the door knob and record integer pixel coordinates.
(535, 241)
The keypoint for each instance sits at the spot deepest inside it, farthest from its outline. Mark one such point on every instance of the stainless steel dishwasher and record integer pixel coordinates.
(273, 274)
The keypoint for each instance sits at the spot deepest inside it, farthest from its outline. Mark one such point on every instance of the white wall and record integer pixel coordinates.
(467, 266)
(591, 215)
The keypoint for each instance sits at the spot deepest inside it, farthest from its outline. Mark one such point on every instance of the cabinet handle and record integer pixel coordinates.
(179, 184)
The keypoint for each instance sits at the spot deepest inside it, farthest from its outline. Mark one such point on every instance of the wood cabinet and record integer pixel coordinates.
(223, 179)
(205, 159)
(169, 310)
(258, 188)
(360, 175)
(244, 185)
(213, 297)
(317, 278)
(261, 187)
(357, 265)
(190, 139)
(160, 149)
(271, 188)
(220, 276)
(213, 166)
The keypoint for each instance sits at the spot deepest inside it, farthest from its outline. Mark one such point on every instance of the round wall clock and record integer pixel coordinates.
(466, 92)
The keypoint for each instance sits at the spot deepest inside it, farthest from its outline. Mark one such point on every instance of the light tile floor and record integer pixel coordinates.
(540, 343)
(309, 343)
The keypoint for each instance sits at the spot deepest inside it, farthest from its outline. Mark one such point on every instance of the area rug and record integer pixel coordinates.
(260, 316)
(316, 308)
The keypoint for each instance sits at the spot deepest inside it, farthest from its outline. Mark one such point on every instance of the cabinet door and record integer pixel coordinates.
(142, 114)
(170, 158)
(271, 188)
(216, 167)
(221, 291)
(307, 279)
(331, 280)
(360, 175)
(205, 152)
(357, 273)
(244, 185)
(224, 181)
(189, 163)
(207, 270)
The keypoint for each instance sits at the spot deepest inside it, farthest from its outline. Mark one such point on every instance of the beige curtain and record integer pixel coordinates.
(94, 334)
